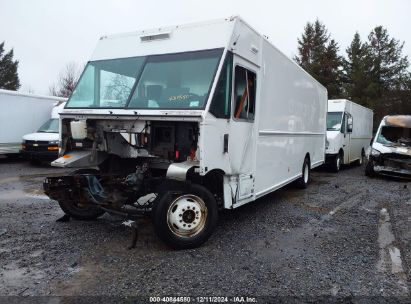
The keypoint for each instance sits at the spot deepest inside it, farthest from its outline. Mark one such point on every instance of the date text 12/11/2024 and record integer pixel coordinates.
(236, 299)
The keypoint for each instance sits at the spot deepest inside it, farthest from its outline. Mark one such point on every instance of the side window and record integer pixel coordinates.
(221, 103)
(244, 93)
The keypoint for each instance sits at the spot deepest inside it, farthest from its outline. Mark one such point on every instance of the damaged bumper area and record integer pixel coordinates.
(393, 164)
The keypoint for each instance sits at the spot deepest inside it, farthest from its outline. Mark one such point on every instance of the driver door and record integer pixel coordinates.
(242, 131)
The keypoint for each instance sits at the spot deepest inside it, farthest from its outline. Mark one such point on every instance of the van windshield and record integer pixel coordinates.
(334, 121)
(395, 136)
(51, 126)
(172, 81)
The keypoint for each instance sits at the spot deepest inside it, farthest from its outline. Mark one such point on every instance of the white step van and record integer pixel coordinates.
(200, 116)
(43, 145)
(349, 132)
(22, 113)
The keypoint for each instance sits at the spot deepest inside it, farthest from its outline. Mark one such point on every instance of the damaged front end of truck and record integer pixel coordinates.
(390, 153)
(131, 134)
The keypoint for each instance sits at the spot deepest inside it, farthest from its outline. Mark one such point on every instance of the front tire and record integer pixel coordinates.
(337, 162)
(79, 211)
(369, 169)
(185, 219)
(361, 159)
(82, 212)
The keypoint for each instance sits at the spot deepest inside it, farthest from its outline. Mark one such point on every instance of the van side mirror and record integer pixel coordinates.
(371, 141)
(349, 124)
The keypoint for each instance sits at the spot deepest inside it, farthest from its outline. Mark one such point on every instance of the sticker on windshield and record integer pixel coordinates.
(194, 104)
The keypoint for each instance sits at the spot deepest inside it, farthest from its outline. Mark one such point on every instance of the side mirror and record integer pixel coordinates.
(349, 124)
(371, 141)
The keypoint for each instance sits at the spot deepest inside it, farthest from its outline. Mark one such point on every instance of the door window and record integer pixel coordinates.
(221, 104)
(244, 94)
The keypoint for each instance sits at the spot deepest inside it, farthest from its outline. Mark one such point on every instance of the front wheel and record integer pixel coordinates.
(185, 219)
(369, 169)
(361, 159)
(79, 210)
(337, 162)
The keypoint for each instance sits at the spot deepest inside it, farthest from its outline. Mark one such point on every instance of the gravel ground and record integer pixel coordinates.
(346, 235)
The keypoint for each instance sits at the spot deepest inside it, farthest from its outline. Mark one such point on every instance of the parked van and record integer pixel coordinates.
(390, 152)
(20, 114)
(204, 116)
(349, 131)
(44, 144)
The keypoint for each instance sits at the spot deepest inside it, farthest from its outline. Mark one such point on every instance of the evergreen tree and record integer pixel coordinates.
(318, 55)
(390, 67)
(9, 78)
(390, 76)
(358, 83)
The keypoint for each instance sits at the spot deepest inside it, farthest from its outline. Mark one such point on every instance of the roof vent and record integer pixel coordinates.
(155, 37)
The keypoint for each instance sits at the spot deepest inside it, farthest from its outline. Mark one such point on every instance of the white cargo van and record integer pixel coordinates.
(202, 116)
(44, 144)
(390, 152)
(20, 114)
(349, 131)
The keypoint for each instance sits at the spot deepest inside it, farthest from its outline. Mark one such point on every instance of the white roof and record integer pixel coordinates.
(16, 93)
(165, 40)
(337, 105)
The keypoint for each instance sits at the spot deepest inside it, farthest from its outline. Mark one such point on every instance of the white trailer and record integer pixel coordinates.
(349, 132)
(21, 114)
(205, 116)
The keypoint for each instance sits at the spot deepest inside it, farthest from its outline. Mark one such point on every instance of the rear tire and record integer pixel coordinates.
(185, 219)
(304, 180)
(78, 211)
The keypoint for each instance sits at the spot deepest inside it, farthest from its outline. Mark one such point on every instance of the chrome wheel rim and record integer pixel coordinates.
(187, 215)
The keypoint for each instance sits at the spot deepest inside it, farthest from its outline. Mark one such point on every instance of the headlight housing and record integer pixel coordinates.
(375, 152)
(54, 142)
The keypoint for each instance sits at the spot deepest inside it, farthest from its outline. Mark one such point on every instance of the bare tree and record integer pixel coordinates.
(67, 81)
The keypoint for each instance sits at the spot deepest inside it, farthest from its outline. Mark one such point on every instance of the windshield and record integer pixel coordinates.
(106, 83)
(51, 126)
(334, 121)
(172, 81)
(178, 81)
(391, 135)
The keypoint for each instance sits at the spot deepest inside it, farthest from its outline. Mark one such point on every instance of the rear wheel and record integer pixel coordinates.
(303, 181)
(187, 219)
(79, 210)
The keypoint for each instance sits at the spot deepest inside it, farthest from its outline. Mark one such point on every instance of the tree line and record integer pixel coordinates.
(374, 72)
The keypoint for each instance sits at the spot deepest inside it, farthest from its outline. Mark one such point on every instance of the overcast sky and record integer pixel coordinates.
(47, 34)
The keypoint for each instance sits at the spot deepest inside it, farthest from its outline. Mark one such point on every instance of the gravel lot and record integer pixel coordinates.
(346, 235)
